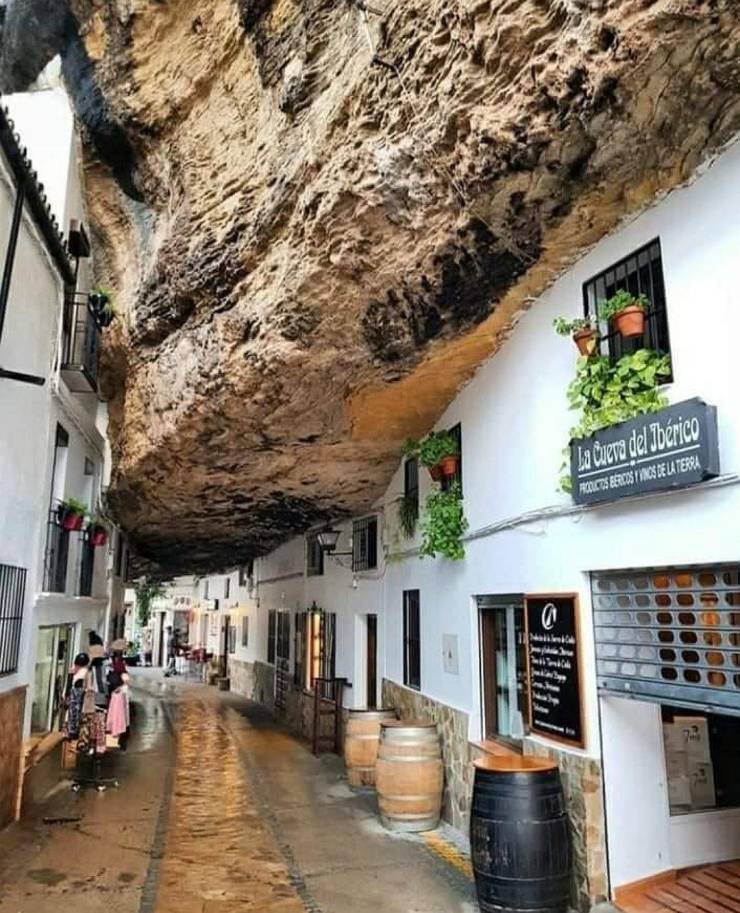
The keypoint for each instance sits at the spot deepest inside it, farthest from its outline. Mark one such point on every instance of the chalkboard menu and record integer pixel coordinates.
(553, 664)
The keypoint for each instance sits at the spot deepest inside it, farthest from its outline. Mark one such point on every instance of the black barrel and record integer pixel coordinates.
(519, 837)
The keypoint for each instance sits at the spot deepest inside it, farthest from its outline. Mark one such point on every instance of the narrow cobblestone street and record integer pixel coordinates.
(219, 809)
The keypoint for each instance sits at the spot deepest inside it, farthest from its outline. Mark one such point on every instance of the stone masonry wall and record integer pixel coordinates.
(12, 705)
(254, 680)
(581, 777)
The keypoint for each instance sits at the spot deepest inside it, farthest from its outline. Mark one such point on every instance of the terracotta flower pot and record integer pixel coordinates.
(630, 321)
(436, 472)
(99, 537)
(72, 521)
(586, 340)
(449, 465)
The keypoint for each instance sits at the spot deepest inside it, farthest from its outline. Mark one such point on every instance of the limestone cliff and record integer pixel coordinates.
(321, 217)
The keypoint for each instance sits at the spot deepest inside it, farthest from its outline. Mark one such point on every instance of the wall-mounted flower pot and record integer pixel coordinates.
(98, 537)
(436, 472)
(586, 340)
(630, 321)
(72, 521)
(449, 465)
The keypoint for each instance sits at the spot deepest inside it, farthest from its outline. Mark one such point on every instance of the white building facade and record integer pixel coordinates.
(651, 730)
(59, 584)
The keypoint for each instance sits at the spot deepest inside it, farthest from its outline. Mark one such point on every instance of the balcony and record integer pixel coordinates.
(57, 556)
(80, 347)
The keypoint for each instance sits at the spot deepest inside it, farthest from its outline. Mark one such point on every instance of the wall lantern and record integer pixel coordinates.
(327, 539)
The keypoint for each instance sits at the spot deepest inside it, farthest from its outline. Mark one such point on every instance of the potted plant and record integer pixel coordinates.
(627, 312)
(71, 513)
(97, 532)
(408, 513)
(440, 453)
(103, 305)
(583, 333)
(444, 524)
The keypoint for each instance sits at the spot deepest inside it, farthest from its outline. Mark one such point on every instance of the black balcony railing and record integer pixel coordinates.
(80, 347)
(87, 566)
(57, 553)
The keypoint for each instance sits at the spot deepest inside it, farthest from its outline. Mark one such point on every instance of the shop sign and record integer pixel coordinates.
(553, 667)
(668, 449)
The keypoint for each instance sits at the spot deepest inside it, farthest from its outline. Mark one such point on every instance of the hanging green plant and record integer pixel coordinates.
(439, 451)
(607, 393)
(408, 513)
(443, 524)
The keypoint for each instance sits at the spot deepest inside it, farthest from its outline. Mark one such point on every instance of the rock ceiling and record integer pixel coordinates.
(321, 219)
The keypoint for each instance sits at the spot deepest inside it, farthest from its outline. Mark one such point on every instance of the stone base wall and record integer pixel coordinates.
(12, 706)
(254, 680)
(299, 711)
(581, 777)
(584, 798)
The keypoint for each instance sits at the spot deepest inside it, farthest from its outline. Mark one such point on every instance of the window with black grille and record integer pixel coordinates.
(640, 273)
(12, 595)
(271, 635)
(365, 544)
(314, 556)
(411, 482)
(449, 481)
(411, 639)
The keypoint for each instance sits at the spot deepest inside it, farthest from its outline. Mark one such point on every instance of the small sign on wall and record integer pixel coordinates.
(553, 667)
(450, 654)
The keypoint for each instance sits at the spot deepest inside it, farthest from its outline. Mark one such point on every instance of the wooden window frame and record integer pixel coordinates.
(412, 639)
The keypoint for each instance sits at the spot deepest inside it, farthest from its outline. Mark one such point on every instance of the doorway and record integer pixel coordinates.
(225, 629)
(371, 662)
(53, 658)
(502, 667)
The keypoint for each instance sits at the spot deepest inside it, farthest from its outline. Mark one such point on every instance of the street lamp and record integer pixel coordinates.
(327, 539)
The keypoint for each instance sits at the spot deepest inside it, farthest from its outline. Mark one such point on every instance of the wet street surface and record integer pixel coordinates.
(219, 809)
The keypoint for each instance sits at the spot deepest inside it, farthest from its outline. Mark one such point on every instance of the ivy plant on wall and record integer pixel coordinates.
(607, 392)
(443, 524)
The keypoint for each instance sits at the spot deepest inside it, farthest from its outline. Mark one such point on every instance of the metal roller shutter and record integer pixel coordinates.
(670, 635)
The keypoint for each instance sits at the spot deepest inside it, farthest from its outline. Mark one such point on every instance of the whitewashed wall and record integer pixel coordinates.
(515, 424)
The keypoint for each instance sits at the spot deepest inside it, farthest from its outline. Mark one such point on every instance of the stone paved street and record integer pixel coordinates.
(219, 810)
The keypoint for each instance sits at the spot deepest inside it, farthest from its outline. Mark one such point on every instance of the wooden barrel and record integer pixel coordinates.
(409, 775)
(361, 745)
(519, 838)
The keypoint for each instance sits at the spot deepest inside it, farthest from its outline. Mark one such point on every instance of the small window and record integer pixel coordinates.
(271, 635)
(411, 482)
(205, 589)
(246, 573)
(411, 639)
(314, 556)
(449, 481)
(365, 544)
(503, 667)
(245, 631)
(232, 638)
(118, 555)
(640, 273)
(227, 587)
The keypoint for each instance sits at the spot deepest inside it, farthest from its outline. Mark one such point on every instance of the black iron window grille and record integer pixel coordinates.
(12, 595)
(81, 339)
(365, 544)
(640, 273)
(314, 556)
(87, 565)
(448, 481)
(271, 635)
(411, 639)
(57, 556)
(411, 482)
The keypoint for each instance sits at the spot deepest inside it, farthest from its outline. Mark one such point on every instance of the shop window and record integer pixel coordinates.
(640, 273)
(411, 639)
(271, 635)
(448, 481)
(503, 666)
(315, 647)
(314, 556)
(365, 544)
